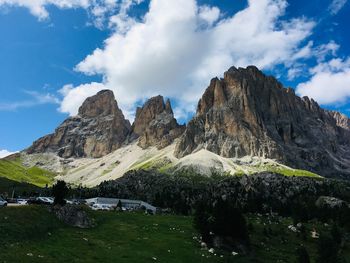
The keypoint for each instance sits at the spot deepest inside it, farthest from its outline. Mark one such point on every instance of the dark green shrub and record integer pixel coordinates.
(60, 191)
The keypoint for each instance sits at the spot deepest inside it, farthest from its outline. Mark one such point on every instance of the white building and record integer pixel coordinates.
(126, 203)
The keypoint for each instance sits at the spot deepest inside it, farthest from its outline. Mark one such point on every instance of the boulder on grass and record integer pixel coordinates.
(74, 216)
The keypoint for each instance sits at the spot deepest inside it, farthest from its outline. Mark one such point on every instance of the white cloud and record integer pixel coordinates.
(121, 21)
(46, 98)
(295, 71)
(38, 7)
(336, 6)
(178, 46)
(36, 99)
(330, 82)
(320, 53)
(325, 50)
(5, 153)
(96, 8)
(209, 14)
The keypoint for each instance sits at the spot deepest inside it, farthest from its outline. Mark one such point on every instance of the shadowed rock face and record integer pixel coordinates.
(155, 124)
(248, 113)
(98, 129)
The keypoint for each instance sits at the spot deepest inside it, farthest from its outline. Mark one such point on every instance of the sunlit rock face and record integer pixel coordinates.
(249, 113)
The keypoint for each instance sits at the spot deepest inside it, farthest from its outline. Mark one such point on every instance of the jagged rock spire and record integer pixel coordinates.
(155, 124)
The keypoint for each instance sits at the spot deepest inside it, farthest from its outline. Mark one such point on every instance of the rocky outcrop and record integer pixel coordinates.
(341, 120)
(155, 124)
(248, 113)
(73, 215)
(330, 202)
(98, 129)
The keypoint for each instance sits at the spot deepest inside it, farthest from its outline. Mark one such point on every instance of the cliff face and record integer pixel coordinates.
(155, 124)
(248, 113)
(98, 129)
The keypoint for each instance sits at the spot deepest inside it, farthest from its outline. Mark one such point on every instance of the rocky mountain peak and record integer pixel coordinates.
(148, 112)
(101, 104)
(155, 124)
(98, 129)
(249, 113)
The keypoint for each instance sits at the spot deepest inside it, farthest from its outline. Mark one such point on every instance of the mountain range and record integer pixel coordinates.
(245, 122)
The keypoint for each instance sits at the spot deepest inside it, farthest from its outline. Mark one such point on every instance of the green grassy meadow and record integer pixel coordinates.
(32, 234)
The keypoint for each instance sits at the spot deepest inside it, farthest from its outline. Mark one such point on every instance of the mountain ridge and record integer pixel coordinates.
(245, 113)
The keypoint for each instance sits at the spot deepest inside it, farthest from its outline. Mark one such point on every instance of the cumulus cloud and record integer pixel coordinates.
(330, 82)
(179, 45)
(5, 153)
(336, 6)
(121, 21)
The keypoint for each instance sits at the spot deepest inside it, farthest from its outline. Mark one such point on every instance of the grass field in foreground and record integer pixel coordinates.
(32, 234)
(15, 171)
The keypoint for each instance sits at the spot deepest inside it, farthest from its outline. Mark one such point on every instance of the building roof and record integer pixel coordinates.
(115, 201)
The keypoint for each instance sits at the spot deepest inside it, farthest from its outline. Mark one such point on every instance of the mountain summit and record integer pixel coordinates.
(249, 113)
(155, 124)
(98, 129)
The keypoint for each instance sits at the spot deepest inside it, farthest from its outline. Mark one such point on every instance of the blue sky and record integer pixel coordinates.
(54, 54)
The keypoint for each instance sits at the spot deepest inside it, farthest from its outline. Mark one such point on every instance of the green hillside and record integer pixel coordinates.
(13, 169)
(21, 189)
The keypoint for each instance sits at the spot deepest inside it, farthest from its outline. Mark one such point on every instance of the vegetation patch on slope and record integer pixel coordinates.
(23, 189)
(14, 170)
(164, 165)
(286, 171)
(294, 172)
(161, 165)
